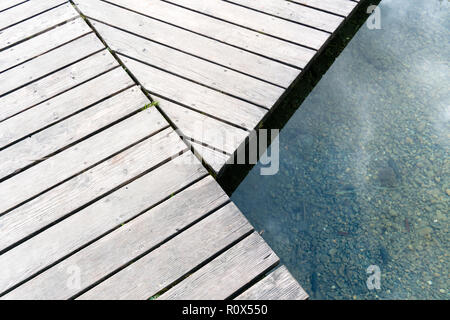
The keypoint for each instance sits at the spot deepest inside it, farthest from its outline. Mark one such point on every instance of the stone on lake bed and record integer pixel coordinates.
(425, 231)
(393, 213)
(387, 177)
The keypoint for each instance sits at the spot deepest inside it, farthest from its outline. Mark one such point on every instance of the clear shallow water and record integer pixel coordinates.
(364, 166)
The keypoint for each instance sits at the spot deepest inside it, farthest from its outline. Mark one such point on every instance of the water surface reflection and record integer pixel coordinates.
(364, 166)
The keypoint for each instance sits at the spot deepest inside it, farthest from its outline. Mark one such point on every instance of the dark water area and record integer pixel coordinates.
(364, 169)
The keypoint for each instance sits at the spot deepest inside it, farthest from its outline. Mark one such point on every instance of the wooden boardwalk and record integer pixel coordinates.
(100, 198)
(216, 67)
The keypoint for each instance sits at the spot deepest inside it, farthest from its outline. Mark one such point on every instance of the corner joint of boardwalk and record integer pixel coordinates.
(115, 117)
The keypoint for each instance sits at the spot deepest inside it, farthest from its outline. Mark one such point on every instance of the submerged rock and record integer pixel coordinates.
(305, 144)
(387, 177)
(392, 164)
(314, 283)
(385, 256)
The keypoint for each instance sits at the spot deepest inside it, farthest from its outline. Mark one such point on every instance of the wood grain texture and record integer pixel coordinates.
(62, 106)
(55, 83)
(242, 38)
(69, 131)
(72, 161)
(135, 237)
(214, 158)
(26, 10)
(191, 68)
(257, 21)
(227, 273)
(105, 214)
(42, 43)
(49, 62)
(340, 7)
(203, 129)
(279, 285)
(87, 186)
(176, 258)
(121, 199)
(293, 12)
(197, 97)
(192, 43)
(5, 4)
(36, 25)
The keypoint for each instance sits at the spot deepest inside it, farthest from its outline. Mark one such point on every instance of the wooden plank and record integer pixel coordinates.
(191, 43)
(198, 97)
(135, 237)
(257, 21)
(49, 62)
(215, 159)
(293, 12)
(76, 192)
(176, 258)
(72, 161)
(63, 106)
(26, 10)
(69, 131)
(279, 285)
(227, 273)
(203, 129)
(340, 7)
(5, 4)
(42, 43)
(63, 238)
(55, 83)
(36, 25)
(191, 68)
(219, 30)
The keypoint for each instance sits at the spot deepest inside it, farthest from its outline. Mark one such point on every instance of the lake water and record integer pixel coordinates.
(364, 166)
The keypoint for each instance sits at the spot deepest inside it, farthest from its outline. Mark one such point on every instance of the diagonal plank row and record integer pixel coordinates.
(216, 67)
(100, 198)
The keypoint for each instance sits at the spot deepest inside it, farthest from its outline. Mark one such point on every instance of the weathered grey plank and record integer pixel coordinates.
(63, 238)
(76, 192)
(42, 43)
(135, 237)
(227, 273)
(203, 129)
(257, 21)
(62, 106)
(279, 285)
(340, 7)
(192, 43)
(293, 12)
(46, 174)
(35, 25)
(215, 159)
(219, 30)
(55, 83)
(176, 258)
(207, 47)
(66, 132)
(26, 10)
(49, 62)
(196, 96)
(189, 67)
(5, 4)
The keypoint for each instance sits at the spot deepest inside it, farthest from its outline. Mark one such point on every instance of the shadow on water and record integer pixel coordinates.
(364, 173)
(232, 175)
